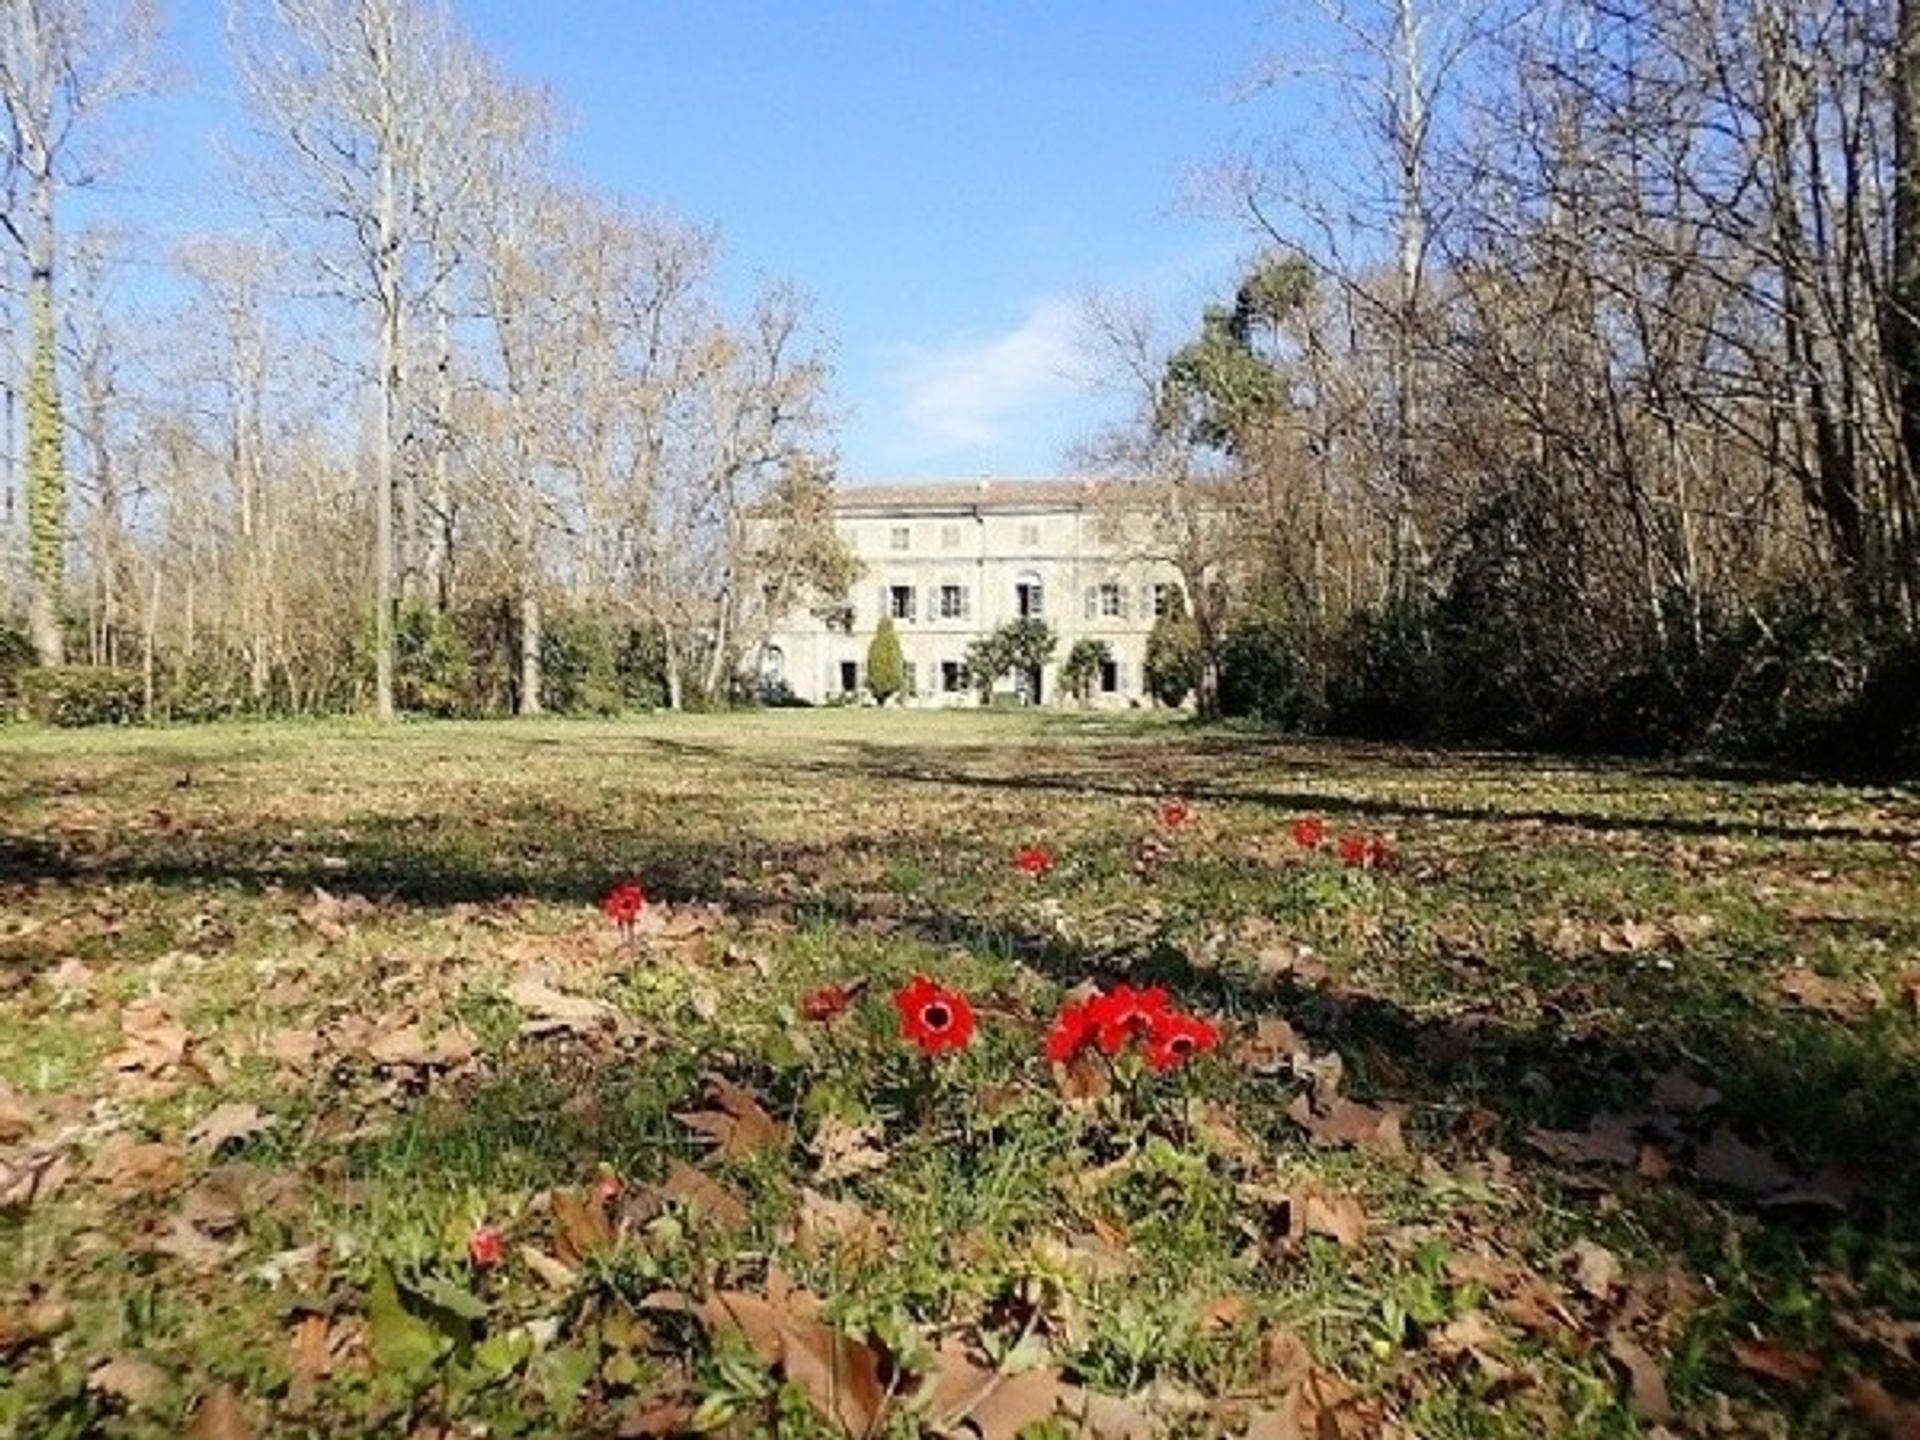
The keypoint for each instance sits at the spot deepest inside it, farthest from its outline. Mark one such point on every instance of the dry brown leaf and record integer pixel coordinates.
(1774, 1361)
(220, 1416)
(16, 1118)
(824, 1223)
(1083, 1080)
(129, 1167)
(1814, 991)
(235, 1120)
(292, 1047)
(1728, 1160)
(153, 1040)
(704, 1198)
(553, 1273)
(1272, 1046)
(1347, 1122)
(582, 1228)
(1338, 1217)
(187, 1243)
(27, 1180)
(139, 1382)
(1884, 1415)
(845, 1150)
(1680, 1092)
(840, 1376)
(741, 1124)
(409, 1045)
(553, 1009)
(1607, 1140)
(1646, 1382)
(1596, 1269)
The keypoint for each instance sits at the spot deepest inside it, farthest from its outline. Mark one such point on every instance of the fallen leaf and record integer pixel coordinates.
(1884, 1415)
(16, 1119)
(1083, 1080)
(294, 1048)
(410, 1045)
(1347, 1122)
(825, 1223)
(129, 1167)
(153, 1040)
(187, 1243)
(220, 1416)
(998, 1405)
(1728, 1160)
(139, 1382)
(844, 1150)
(553, 1009)
(1680, 1092)
(1272, 1046)
(552, 1272)
(583, 1228)
(236, 1120)
(1596, 1269)
(704, 1198)
(1339, 1217)
(741, 1124)
(1607, 1140)
(1778, 1362)
(1646, 1382)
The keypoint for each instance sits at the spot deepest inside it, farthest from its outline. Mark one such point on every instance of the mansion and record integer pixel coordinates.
(951, 562)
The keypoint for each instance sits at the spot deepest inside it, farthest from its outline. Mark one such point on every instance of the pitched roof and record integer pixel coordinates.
(968, 495)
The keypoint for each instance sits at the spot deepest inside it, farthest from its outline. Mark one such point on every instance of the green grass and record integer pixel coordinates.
(1551, 939)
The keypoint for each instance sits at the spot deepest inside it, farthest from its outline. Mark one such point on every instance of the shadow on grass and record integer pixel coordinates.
(1826, 1090)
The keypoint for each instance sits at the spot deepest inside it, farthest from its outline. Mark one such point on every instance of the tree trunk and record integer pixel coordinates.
(529, 651)
(46, 465)
(1901, 335)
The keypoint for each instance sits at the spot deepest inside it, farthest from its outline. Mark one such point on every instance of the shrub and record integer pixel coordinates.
(886, 666)
(578, 672)
(1082, 667)
(16, 658)
(76, 695)
(1387, 679)
(640, 667)
(1266, 675)
(210, 687)
(1173, 654)
(432, 667)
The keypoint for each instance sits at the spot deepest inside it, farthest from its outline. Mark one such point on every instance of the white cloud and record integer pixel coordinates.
(973, 391)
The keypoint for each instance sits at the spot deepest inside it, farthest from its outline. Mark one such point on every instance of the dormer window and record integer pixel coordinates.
(900, 537)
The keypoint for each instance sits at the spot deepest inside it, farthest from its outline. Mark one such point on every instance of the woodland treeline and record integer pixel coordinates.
(444, 431)
(1577, 404)
(1583, 407)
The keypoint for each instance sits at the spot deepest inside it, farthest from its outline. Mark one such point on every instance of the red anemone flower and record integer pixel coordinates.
(1379, 853)
(829, 1002)
(933, 1017)
(1353, 851)
(1175, 813)
(1123, 1014)
(486, 1249)
(1073, 1030)
(1174, 1038)
(624, 903)
(1033, 860)
(1310, 832)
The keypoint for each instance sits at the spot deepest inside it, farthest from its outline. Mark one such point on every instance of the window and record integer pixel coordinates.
(910, 675)
(1163, 598)
(949, 537)
(773, 665)
(1109, 676)
(953, 677)
(953, 602)
(1029, 598)
(1029, 535)
(849, 677)
(899, 602)
(1107, 601)
(900, 538)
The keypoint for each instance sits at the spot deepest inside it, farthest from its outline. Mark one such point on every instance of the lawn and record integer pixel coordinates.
(331, 1103)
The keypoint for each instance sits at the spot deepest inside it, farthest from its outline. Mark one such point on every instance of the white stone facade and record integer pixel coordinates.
(951, 562)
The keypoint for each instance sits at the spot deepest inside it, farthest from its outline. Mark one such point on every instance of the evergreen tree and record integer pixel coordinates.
(886, 666)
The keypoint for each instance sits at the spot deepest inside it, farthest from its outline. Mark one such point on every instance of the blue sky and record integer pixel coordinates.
(948, 180)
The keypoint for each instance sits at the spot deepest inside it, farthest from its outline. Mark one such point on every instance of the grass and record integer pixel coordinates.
(329, 923)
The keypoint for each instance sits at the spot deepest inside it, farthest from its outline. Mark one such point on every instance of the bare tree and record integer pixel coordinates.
(348, 89)
(61, 61)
